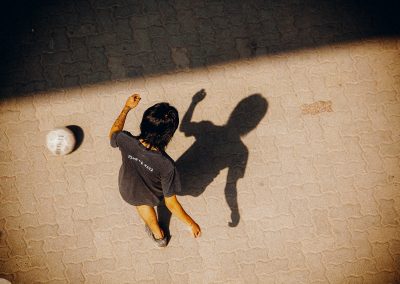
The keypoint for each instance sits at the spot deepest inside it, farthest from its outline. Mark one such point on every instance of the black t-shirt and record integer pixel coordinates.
(145, 176)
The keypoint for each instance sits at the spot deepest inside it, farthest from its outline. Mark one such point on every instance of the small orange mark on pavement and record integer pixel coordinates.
(317, 107)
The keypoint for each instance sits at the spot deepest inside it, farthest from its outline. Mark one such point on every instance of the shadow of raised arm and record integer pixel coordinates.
(187, 126)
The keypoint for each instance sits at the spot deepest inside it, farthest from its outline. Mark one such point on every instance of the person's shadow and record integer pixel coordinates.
(216, 148)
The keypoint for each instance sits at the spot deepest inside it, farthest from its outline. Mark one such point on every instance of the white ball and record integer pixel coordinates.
(60, 141)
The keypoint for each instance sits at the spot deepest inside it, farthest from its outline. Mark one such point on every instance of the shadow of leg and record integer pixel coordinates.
(164, 218)
(235, 216)
(231, 199)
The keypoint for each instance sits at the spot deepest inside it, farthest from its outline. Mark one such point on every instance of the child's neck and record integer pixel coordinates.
(147, 145)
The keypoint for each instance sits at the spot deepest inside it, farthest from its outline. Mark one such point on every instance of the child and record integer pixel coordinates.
(147, 174)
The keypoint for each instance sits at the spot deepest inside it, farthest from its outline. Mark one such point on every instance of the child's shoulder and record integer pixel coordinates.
(128, 133)
(167, 159)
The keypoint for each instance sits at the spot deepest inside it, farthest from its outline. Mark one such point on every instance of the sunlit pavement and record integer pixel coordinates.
(319, 201)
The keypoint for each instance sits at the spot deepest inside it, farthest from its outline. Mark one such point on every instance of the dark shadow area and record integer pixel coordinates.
(216, 148)
(164, 219)
(79, 135)
(48, 44)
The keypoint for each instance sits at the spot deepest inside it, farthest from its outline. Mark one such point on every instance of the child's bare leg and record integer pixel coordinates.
(149, 216)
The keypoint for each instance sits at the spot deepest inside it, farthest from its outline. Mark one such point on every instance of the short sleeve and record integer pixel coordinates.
(118, 138)
(170, 183)
(114, 139)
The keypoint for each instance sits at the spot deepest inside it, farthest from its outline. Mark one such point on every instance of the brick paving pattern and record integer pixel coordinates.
(319, 201)
(68, 43)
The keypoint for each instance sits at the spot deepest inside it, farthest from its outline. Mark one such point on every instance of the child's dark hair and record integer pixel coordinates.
(158, 125)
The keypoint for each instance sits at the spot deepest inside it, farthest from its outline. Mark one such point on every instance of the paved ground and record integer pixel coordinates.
(67, 43)
(319, 201)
